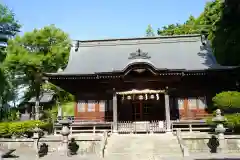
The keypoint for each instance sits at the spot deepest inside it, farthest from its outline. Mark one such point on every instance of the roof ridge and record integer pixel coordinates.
(140, 38)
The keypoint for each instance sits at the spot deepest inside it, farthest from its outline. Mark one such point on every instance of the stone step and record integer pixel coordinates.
(148, 145)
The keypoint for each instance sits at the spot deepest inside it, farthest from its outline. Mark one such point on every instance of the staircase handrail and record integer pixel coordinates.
(184, 149)
(104, 142)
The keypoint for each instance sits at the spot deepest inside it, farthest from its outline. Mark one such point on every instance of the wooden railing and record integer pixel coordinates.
(85, 126)
(144, 126)
(190, 126)
(98, 125)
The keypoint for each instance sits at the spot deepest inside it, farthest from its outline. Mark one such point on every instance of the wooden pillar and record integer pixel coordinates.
(167, 112)
(115, 112)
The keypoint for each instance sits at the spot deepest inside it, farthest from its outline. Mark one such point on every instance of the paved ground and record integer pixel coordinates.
(57, 156)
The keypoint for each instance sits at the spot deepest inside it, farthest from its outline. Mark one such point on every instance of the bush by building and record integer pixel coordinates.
(21, 128)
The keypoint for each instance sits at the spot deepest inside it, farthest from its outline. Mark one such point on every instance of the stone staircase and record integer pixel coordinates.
(142, 146)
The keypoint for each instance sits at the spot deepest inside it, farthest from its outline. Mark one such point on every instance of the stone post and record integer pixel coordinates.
(36, 137)
(60, 111)
(167, 112)
(115, 115)
(37, 89)
(65, 133)
(219, 120)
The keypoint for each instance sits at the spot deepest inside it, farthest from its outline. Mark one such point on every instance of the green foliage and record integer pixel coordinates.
(46, 49)
(7, 18)
(227, 100)
(226, 34)
(150, 31)
(62, 95)
(4, 131)
(21, 127)
(9, 26)
(220, 22)
(191, 26)
(68, 108)
(42, 50)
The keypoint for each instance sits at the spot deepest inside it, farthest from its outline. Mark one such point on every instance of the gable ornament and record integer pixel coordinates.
(139, 54)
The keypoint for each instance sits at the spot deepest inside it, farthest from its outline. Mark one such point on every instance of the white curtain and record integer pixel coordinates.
(102, 106)
(202, 102)
(91, 106)
(81, 106)
(180, 102)
(192, 103)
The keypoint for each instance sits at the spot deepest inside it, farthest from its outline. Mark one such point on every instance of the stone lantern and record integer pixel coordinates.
(36, 136)
(220, 129)
(65, 133)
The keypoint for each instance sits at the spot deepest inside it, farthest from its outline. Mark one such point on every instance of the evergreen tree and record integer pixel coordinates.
(150, 31)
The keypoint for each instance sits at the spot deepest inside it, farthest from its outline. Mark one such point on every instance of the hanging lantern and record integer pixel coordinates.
(152, 96)
(129, 97)
(157, 96)
(146, 96)
(140, 97)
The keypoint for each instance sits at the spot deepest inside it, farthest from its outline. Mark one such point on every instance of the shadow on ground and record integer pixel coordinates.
(11, 156)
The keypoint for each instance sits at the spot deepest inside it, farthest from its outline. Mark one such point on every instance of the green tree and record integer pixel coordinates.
(191, 26)
(220, 22)
(225, 36)
(42, 50)
(9, 26)
(150, 31)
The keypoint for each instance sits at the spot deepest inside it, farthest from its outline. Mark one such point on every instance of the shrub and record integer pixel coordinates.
(227, 100)
(21, 127)
(4, 129)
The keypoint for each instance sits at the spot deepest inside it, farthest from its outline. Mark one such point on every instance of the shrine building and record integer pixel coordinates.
(143, 79)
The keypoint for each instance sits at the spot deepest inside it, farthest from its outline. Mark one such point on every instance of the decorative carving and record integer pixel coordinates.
(139, 54)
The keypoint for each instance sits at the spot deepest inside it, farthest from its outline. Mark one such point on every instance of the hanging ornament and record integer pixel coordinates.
(129, 97)
(146, 96)
(157, 95)
(140, 97)
(152, 96)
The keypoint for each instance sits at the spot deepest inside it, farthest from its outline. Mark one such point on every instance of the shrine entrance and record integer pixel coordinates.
(142, 107)
(147, 110)
(137, 111)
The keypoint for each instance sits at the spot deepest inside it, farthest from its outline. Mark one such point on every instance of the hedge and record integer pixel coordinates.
(227, 100)
(19, 128)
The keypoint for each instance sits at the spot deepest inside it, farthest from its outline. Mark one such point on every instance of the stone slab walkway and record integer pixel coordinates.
(57, 156)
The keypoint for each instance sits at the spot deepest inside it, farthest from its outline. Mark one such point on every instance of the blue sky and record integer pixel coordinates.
(98, 19)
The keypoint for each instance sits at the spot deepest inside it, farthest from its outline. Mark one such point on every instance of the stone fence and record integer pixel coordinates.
(88, 144)
(198, 143)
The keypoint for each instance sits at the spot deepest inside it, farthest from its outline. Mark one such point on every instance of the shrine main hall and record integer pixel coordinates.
(143, 79)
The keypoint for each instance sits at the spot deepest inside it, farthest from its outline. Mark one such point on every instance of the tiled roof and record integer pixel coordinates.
(113, 55)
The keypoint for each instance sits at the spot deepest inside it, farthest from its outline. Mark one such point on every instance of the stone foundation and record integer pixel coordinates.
(87, 145)
(197, 143)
